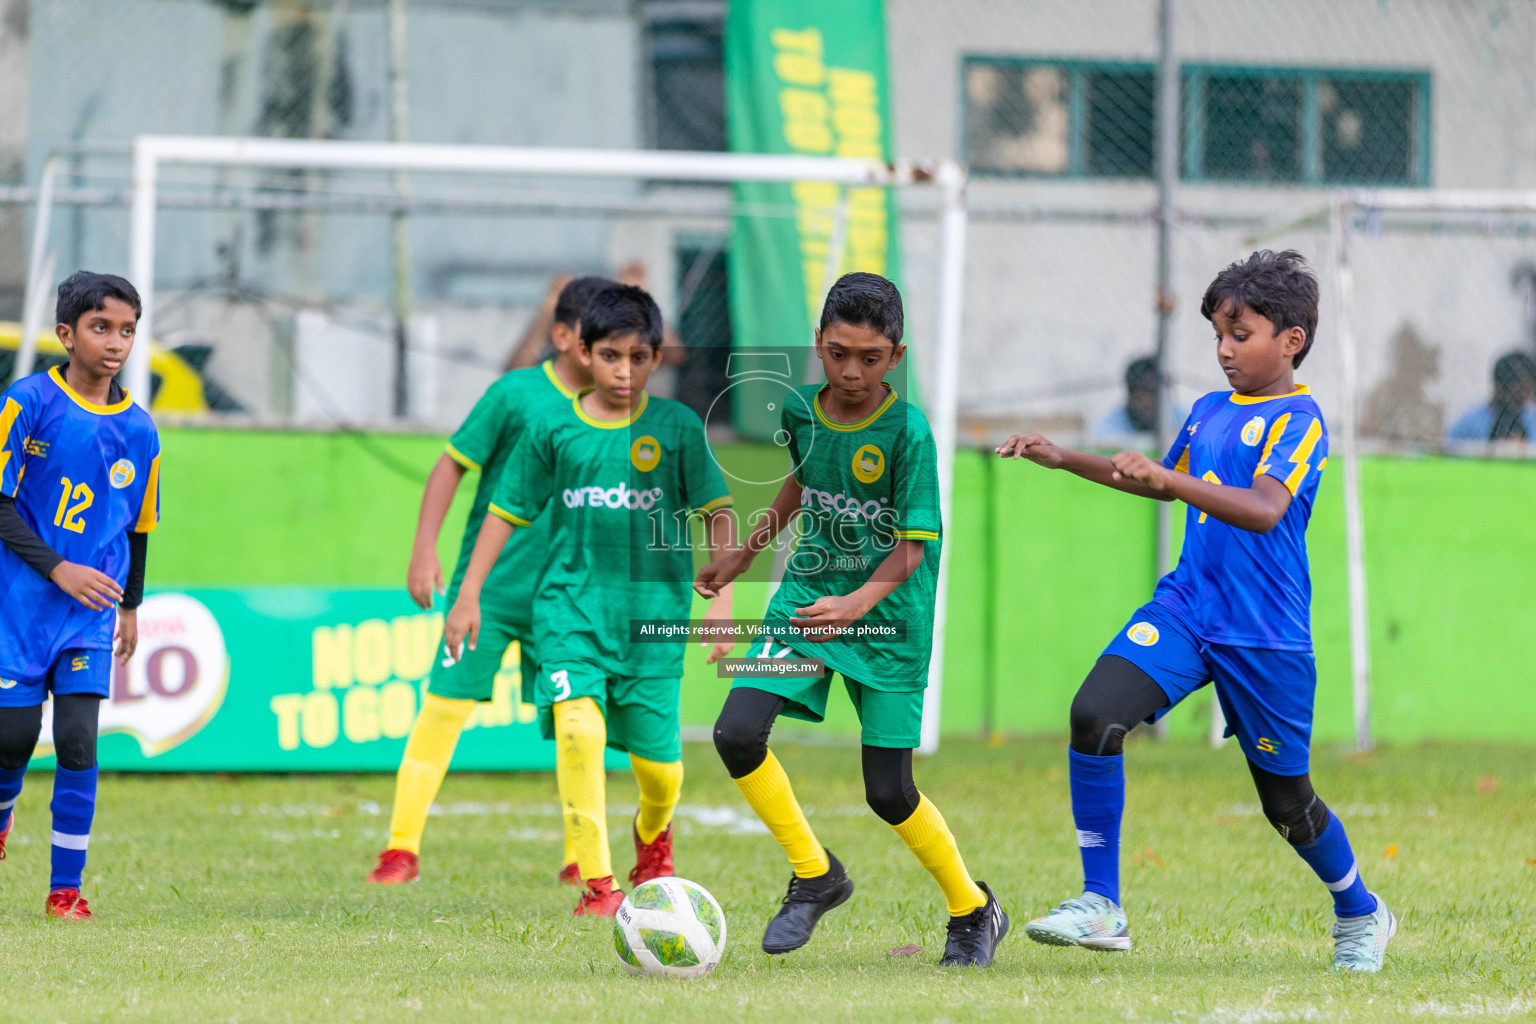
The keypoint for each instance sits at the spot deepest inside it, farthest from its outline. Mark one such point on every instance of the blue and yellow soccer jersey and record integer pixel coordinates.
(1234, 586)
(82, 476)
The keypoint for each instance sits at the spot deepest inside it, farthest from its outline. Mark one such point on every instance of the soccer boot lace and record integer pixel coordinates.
(68, 905)
(600, 899)
(653, 859)
(1091, 920)
(1360, 943)
(5, 833)
(570, 874)
(803, 905)
(972, 938)
(396, 867)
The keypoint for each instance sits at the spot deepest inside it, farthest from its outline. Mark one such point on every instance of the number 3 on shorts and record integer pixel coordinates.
(562, 681)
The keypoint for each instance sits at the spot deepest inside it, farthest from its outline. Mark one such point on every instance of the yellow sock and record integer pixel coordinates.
(570, 847)
(933, 845)
(660, 784)
(580, 735)
(768, 793)
(427, 754)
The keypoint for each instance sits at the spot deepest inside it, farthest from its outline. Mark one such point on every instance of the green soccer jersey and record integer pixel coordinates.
(863, 487)
(616, 495)
(484, 442)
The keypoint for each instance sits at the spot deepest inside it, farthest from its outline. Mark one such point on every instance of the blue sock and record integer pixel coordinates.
(10, 789)
(1098, 800)
(1334, 863)
(74, 805)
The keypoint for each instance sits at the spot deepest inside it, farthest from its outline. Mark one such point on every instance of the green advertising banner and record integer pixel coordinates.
(280, 679)
(803, 77)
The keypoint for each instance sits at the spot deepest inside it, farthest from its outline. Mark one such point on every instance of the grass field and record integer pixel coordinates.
(241, 898)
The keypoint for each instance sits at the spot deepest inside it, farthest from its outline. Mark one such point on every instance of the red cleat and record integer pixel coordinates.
(5, 833)
(68, 905)
(653, 859)
(569, 875)
(600, 900)
(395, 868)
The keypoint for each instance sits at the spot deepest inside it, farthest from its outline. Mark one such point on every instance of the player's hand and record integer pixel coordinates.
(1136, 466)
(127, 638)
(95, 590)
(463, 625)
(827, 617)
(714, 576)
(424, 578)
(1037, 448)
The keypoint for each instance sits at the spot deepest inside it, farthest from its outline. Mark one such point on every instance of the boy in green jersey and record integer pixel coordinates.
(858, 596)
(616, 474)
(481, 444)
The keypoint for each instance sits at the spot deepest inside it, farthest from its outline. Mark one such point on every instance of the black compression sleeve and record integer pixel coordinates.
(20, 538)
(133, 587)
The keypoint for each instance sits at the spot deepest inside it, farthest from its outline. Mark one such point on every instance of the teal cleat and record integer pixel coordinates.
(1091, 920)
(1360, 943)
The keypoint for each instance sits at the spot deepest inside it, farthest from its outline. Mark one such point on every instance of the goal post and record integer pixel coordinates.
(151, 153)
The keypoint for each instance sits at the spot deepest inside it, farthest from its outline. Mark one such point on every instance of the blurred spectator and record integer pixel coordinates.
(532, 346)
(1138, 416)
(1508, 414)
(1398, 409)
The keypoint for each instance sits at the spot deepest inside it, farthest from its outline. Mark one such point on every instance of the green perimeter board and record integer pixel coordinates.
(1450, 554)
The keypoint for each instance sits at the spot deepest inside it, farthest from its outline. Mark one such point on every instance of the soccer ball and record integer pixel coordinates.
(671, 928)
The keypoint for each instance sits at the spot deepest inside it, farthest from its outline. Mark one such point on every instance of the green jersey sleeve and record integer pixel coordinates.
(704, 486)
(528, 481)
(915, 487)
(472, 444)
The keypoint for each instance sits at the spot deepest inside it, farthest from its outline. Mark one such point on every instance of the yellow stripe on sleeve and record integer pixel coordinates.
(7, 420)
(915, 534)
(497, 510)
(1182, 466)
(149, 512)
(462, 459)
(1303, 453)
(1276, 431)
(721, 502)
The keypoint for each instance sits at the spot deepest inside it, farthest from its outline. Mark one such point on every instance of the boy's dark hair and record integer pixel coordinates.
(575, 296)
(621, 309)
(865, 300)
(84, 292)
(1278, 286)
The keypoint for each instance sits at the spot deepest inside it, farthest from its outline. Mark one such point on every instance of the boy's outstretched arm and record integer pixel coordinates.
(725, 568)
(1099, 468)
(1257, 508)
(464, 617)
(424, 576)
(720, 528)
(829, 615)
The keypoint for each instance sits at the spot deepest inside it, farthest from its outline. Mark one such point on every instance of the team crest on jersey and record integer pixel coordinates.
(868, 464)
(1253, 430)
(122, 473)
(1143, 633)
(645, 453)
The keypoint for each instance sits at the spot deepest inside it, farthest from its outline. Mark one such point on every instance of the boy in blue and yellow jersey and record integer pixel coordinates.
(617, 475)
(865, 489)
(482, 444)
(79, 494)
(1236, 609)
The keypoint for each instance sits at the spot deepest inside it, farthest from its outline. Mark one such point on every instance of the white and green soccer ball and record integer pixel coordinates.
(670, 928)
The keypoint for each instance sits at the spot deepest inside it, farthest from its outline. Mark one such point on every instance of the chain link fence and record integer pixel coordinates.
(276, 285)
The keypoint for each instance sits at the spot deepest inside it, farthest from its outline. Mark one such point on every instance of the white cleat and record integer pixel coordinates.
(1091, 921)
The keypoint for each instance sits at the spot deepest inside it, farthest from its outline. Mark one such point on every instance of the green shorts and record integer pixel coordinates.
(473, 677)
(642, 715)
(887, 718)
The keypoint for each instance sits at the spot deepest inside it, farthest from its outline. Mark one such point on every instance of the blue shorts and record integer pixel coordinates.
(76, 670)
(1265, 695)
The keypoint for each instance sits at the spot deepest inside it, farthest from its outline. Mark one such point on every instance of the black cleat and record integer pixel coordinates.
(973, 939)
(806, 901)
